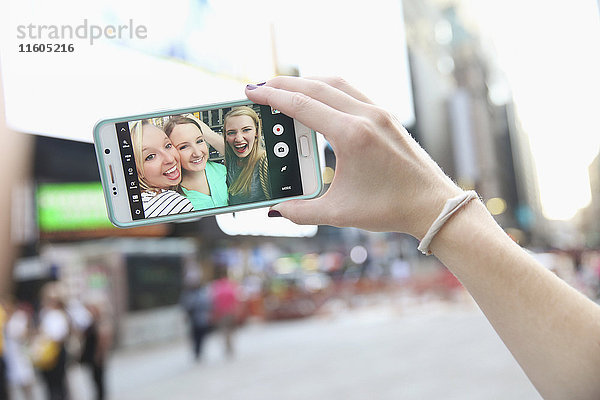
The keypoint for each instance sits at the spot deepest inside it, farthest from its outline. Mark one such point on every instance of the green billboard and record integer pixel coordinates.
(71, 207)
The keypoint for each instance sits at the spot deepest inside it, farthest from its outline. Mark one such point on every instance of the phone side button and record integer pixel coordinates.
(304, 147)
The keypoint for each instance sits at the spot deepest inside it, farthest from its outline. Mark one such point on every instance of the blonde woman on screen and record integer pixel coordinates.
(203, 180)
(159, 170)
(245, 157)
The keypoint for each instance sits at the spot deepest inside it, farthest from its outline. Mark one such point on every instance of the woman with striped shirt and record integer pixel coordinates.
(159, 171)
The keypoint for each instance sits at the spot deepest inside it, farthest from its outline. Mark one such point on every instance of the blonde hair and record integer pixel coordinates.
(179, 120)
(243, 182)
(137, 141)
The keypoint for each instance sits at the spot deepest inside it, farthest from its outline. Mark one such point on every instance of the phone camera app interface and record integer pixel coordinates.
(208, 159)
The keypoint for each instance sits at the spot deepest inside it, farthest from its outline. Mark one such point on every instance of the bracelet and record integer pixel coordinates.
(452, 205)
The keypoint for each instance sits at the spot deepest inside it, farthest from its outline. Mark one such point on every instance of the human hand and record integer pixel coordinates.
(384, 181)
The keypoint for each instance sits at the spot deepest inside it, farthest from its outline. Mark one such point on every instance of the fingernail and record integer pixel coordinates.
(252, 87)
(274, 213)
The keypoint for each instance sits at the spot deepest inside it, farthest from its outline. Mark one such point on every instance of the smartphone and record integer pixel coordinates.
(188, 163)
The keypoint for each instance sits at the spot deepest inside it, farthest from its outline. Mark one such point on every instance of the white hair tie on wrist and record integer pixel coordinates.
(452, 205)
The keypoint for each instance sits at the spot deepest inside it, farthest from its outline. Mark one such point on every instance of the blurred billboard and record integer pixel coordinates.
(66, 64)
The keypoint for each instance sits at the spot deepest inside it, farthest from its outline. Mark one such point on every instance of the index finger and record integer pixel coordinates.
(310, 112)
(344, 86)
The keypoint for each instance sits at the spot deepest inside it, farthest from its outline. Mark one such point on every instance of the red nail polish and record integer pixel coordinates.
(274, 213)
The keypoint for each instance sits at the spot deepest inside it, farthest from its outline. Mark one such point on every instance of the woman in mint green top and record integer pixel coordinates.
(203, 182)
(216, 175)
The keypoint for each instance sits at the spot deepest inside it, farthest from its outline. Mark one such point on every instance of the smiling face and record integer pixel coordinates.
(240, 134)
(189, 142)
(160, 159)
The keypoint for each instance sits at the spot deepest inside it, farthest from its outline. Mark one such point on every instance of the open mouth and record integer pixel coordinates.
(240, 148)
(172, 173)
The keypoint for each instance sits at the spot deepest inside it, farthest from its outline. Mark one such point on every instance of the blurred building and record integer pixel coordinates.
(588, 218)
(469, 130)
(15, 160)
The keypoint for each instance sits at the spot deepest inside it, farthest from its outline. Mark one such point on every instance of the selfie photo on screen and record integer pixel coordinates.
(202, 160)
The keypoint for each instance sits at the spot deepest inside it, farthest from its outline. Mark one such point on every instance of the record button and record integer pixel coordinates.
(277, 129)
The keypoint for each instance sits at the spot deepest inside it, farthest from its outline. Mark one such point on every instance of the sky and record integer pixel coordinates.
(549, 54)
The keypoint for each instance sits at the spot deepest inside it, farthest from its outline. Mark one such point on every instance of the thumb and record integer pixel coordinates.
(301, 212)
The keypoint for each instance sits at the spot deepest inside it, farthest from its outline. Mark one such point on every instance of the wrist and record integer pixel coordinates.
(452, 206)
(431, 204)
(463, 229)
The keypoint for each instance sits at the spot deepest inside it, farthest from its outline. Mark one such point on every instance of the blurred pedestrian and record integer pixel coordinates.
(196, 301)
(225, 306)
(3, 378)
(97, 341)
(49, 349)
(17, 337)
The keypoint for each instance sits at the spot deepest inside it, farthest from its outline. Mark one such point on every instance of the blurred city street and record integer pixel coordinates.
(498, 97)
(376, 351)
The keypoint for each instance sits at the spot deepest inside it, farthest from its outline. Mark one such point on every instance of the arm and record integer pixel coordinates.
(211, 137)
(551, 329)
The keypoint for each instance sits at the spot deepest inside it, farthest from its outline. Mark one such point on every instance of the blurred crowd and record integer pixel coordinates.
(38, 344)
(41, 343)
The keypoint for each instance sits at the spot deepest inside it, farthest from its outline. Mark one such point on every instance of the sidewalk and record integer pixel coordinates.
(381, 349)
(430, 351)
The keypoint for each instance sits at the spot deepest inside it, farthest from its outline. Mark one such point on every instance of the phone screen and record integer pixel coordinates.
(208, 159)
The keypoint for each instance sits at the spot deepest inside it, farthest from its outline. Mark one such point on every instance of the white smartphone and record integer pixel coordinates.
(184, 164)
